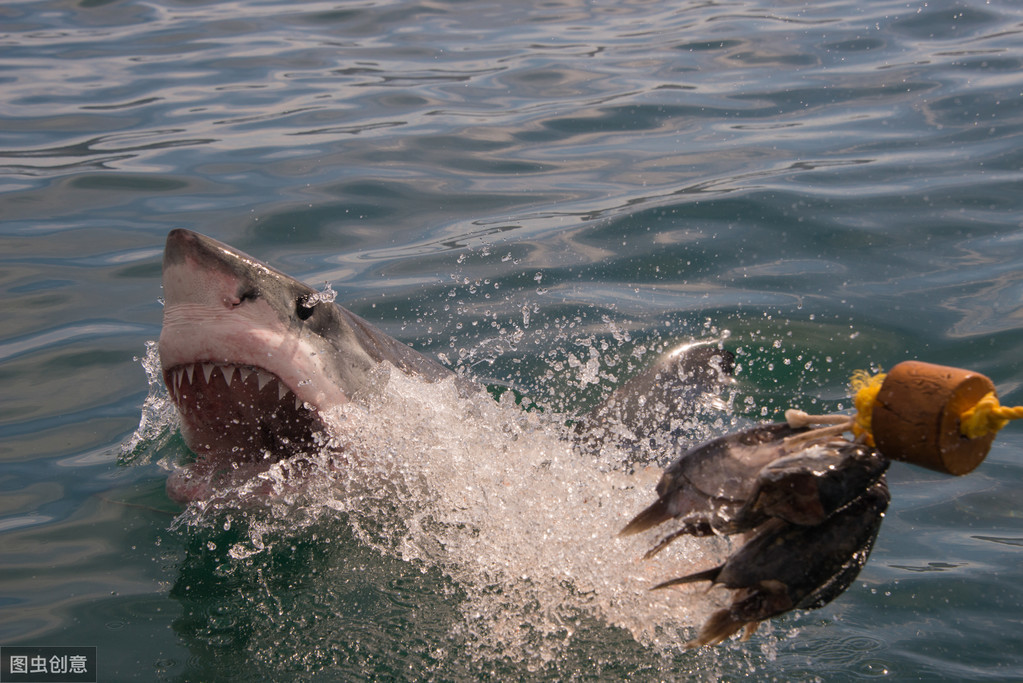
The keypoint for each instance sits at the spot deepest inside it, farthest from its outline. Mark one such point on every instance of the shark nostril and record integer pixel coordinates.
(248, 294)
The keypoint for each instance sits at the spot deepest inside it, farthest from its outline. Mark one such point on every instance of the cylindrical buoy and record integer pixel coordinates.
(916, 416)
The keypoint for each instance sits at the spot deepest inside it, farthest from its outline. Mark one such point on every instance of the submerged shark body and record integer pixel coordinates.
(254, 360)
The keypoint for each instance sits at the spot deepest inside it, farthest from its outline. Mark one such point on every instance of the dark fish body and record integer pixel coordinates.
(707, 486)
(810, 485)
(811, 509)
(736, 482)
(787, 566)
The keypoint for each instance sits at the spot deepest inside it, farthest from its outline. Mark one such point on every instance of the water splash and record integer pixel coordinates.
(158, 413)
(495, 498)
(327, 295)
(498, 501)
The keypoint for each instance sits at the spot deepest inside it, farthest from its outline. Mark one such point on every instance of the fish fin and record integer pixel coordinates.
(706, 575)
(721, 625)
(649, 518)
(699, 528)
(749, 630)
(663, 543)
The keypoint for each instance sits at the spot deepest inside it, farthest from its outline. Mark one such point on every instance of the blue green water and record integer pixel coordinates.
(837, 185)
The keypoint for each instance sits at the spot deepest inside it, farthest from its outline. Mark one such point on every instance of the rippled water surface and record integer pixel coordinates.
(537, 193)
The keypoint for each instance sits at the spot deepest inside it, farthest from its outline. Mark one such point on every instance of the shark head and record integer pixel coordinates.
(253, 359)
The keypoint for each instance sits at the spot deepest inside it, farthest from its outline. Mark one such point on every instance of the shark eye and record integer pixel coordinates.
(304, 309)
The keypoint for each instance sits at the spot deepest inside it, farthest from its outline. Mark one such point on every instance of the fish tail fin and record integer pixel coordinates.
(720, 626)
(649, 518)
(687, 529)
(706, 575)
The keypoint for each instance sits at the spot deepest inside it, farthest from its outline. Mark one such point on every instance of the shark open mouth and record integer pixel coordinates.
(255, 362)
(240, 410)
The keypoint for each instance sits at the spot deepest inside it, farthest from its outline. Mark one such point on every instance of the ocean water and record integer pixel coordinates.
(542, 195)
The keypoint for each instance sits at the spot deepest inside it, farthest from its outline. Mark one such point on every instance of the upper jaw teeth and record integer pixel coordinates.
(231, 374)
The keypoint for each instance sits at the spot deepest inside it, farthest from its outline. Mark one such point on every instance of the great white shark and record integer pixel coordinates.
(261, 368)
(254, 360)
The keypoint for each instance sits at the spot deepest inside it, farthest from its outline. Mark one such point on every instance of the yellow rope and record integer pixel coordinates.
(865, 389)
(987, 417)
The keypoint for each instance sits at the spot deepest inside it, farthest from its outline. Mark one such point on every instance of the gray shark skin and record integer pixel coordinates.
(654, 410)
(252, 362)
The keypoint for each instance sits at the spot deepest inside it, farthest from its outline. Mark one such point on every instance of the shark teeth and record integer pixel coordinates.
(232, 374)
(263, 378)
